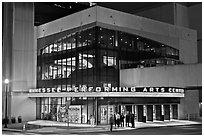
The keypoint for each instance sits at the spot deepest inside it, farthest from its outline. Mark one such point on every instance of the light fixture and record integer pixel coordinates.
(6, 81)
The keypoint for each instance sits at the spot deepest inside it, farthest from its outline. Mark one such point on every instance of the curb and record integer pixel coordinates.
(105, 128)
(167, 126)
(12, 130)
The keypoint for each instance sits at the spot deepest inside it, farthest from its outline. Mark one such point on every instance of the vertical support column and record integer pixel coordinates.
(87, 116)
(133, 109)
(96, 110)
(149, 112)
(136, 112)
(7, 61)
(171, 113)
(154, 112)
(144, 113)
(162, 113)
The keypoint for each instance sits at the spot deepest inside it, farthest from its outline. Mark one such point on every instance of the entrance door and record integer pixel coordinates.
(166, 112)
(149, 112)
(129, 108)
(104, 114)
(140, 113)
(158, 112)
(175, 111)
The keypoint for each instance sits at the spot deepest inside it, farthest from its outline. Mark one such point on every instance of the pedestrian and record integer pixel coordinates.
(115, 119)
(92, 120)
(122, 119)
(127, 119)
(132, 118)
(111, 121)
(118, 119)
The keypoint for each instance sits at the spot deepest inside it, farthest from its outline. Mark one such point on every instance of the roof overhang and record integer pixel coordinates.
(105, 94)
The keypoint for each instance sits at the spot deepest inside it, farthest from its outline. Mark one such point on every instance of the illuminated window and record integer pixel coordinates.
(109, 61)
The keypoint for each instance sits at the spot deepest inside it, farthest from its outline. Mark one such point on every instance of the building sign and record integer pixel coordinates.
(112, 89)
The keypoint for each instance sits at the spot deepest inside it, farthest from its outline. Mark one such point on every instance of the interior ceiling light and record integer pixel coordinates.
(57, 5)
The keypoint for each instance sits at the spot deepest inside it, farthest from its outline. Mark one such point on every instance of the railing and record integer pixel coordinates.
(192, 116)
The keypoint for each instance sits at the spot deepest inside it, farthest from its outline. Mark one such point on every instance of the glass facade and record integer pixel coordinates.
(93, 57)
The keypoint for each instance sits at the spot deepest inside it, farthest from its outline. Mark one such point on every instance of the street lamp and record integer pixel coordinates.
(6, 90)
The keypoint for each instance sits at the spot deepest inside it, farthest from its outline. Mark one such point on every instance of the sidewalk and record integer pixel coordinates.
(45, 126)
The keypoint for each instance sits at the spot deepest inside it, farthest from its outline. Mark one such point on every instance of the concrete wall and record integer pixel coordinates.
(163, 13)
(189, 104)
(195, 22)
(7, 30)
(23, 106)
(23, 57)
(72, 21)
(181, 15)
(20, 58)
(169, 76)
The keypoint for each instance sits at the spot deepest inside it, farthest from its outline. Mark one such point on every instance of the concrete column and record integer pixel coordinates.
(149, 112)
(136, 112)
(96, 110)
(7, 41)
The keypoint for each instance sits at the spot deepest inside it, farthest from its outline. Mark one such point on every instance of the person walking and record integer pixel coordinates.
(92, 120)
(115, 120)
(118, 119)
(111, 121)
(127, 119)
(132, 119)
(122, 120)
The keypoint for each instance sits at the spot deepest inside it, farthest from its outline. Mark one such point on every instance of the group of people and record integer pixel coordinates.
(119, 120)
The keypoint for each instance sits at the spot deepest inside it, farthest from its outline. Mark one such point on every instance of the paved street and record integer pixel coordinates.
(17, 133)
(177, 130)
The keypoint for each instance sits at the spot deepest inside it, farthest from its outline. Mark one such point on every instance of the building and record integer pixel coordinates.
(98, 62)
